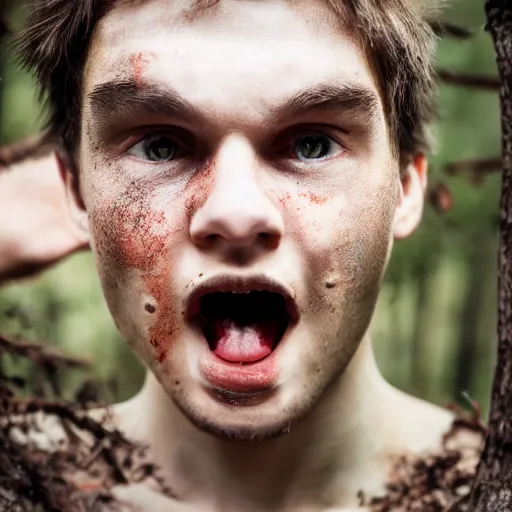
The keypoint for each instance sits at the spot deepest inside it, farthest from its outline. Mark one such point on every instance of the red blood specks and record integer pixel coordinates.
(133, 234)
(198, 188)
(131, 231)
(313, 198)
(162, 354)
(164, 329)
(286, 198)
(139, 62)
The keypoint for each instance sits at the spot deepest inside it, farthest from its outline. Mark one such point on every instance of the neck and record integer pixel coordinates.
(329, 456)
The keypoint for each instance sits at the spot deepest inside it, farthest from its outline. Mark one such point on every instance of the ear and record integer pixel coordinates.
(76, 207)
(413, 185)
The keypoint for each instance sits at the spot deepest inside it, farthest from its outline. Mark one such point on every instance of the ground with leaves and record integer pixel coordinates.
(73, 468)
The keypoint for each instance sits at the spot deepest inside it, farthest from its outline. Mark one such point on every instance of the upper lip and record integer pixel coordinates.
(240, 284)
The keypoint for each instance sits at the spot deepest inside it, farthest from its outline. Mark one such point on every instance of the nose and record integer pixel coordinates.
(237, 214)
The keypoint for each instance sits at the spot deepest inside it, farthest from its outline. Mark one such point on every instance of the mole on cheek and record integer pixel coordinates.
(150, 308)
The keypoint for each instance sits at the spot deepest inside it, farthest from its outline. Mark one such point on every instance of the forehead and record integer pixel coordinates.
(241, 50)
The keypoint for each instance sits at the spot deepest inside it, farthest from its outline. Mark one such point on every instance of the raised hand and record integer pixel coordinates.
(36, 229)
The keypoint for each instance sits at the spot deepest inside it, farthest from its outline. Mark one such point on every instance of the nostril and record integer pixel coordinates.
(270, 240)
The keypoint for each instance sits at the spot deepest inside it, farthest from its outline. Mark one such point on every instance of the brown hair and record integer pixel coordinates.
(398, 42)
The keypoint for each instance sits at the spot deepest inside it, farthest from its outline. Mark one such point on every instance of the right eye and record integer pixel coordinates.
(159, 148)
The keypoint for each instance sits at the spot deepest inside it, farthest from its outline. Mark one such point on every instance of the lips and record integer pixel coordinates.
(242, 319)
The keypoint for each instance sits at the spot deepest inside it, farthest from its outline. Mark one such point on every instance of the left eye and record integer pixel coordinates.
(156, 149)
(314, 147)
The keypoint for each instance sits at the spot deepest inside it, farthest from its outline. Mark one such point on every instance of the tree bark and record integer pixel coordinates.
(492, 489)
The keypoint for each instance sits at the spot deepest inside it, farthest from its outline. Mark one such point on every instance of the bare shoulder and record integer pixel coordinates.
(434, 465)
(421, 425)
(430, 431)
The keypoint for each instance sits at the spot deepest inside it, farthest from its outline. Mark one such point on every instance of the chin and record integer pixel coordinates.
(238, 418)
(243, 417)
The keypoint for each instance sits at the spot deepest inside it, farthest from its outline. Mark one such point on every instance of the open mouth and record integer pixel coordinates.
(243, 327)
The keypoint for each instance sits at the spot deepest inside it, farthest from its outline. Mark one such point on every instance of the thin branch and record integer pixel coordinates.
(447, 29)
(69, 413)
(488, 83)
(33, 147)
(477, 166)
(40, 353)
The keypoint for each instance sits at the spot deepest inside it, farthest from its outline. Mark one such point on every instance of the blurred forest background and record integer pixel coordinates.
(435, 326)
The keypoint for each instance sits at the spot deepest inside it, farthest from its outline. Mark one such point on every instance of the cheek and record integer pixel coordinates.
(198, 188)
(345, 243)
(137, 232)
(133, 240)
(130, 235)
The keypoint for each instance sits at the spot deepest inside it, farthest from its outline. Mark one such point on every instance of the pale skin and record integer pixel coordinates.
(36, 230)
(236, 198)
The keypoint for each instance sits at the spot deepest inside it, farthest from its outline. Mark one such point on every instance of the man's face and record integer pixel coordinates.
(240, 187)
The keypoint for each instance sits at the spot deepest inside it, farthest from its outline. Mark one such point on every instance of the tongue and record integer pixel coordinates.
(244, 343)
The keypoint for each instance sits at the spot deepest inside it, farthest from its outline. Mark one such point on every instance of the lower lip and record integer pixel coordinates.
(240, 378)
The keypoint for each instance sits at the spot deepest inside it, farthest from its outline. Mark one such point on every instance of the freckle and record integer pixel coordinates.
(201, 275)
(177, 383)
(150, 308)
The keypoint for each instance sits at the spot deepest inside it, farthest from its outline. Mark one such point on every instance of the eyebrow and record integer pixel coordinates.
(354, 98)
(120, 98)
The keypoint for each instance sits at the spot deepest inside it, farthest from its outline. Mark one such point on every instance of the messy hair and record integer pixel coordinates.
(398, 42)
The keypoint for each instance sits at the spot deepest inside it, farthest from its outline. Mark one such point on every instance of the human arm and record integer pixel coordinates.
(36, 230)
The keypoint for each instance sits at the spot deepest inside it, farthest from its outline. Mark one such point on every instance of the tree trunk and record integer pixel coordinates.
(492, 489)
